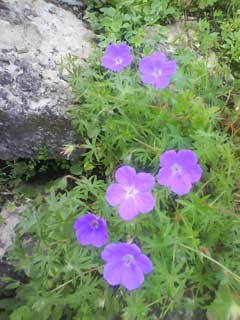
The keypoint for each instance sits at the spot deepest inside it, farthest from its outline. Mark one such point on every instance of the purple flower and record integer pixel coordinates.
(156, 70)
(179, 170)
(131, 193)
(125, 265)
(117, 57)
(91, 230)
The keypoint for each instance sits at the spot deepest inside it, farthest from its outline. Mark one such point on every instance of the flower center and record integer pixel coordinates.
(157, 73)
(131, 192)
(118, 60)
(176, 169)
(94, 224)
(128, 259)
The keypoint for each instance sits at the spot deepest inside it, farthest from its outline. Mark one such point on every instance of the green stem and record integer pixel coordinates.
(234, 275)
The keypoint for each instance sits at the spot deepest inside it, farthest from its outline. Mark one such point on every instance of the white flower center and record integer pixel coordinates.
(128, 259)
(118, 60)
(157, 73)
(131, 192)
(176, 169)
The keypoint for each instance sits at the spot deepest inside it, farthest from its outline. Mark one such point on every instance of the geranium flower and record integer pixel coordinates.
(125, 265)
(131, 193)
(117, 57)
(156, 70)
(179, 170)
(91, 230)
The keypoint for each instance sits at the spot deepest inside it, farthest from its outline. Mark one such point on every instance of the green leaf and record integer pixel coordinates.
(58, 184)
(21, 313)
(226, 306)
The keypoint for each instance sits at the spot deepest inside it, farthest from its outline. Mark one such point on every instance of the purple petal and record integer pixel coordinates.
(112, 274)
(112, 50)
(109, 63)
(128, 209)
(126, 61)
(186, 157)
(195, 172)
(125, 175)
(131, 277)
(83, 236)
(144, 181)
(113, 252)
(188, 160)
(159, 56)
(118, 50)
(132, 248)
(115, 194)
(145, 202)
(82, 229)
(119, 67)
(181, 184)
(147, 78)
(98, 238)
(164, 176)
(169, 68)
(124, 49)
(158, 65)
(144, 263)
(168, 158)
(84, 220)
(161, 82)
(146, 66)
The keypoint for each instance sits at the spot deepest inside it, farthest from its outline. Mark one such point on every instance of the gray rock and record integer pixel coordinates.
(34, 97)
(7, 233)
(75, 6)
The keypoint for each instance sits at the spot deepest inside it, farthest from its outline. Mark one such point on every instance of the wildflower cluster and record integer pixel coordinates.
(154, 70)
(124, 263)
(134, 225)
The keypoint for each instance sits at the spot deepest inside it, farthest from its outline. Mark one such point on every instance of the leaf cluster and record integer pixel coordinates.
(191, 240)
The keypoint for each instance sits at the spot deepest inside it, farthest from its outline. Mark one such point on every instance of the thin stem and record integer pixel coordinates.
(146, 145)
(72, 177)
(64, 284)
(71, 280)
(218, 197)
(213, 260)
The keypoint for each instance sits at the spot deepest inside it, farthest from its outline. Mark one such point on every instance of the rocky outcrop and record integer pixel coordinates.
(35, 36)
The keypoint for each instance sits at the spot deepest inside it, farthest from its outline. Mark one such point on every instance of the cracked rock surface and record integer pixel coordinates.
(35, 36)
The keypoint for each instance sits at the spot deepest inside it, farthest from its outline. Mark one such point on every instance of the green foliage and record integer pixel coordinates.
(229, 45)
(192, 240)
(225, 306)
(127, 20)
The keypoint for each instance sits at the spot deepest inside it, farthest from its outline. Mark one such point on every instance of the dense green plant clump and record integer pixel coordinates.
(193, 241)
(127, 20)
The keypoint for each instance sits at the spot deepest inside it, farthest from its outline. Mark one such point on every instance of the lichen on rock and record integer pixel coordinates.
(34, 98)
